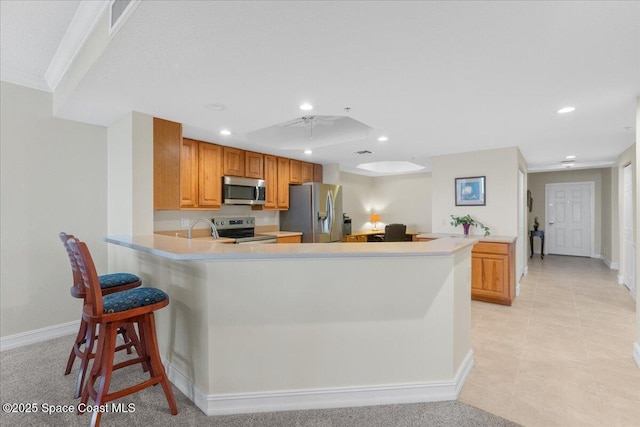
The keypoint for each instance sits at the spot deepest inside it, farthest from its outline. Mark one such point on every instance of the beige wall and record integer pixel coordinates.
(637, 229)
(501, 170)
(537, 183)
(403, 199)
(53, 178)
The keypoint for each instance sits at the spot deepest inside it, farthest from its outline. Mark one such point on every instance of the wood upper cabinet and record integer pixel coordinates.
(200, 175)
(271, 181)
(189, 174)
(209, 175)
(233, 162)
(295, 171)
(307, 172)
(253, 165)
(317, 173)
(493, 272)
(282, 198)
(167, 139)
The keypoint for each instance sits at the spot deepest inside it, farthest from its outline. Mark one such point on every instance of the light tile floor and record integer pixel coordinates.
(561, 355)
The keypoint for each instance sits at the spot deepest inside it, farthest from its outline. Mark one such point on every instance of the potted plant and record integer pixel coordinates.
(467, 222)
(536, 224)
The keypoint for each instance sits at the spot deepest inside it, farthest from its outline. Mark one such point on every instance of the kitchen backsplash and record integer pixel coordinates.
(171, 220)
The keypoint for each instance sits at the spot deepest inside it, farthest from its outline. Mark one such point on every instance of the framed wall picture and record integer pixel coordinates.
(471, 191)
(529, 200)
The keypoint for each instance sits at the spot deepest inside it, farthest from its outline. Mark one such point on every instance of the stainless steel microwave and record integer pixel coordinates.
(243, 191)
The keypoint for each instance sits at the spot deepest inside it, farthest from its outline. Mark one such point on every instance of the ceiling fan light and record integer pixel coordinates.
(306, 106)
(566, 110)
(383, 138)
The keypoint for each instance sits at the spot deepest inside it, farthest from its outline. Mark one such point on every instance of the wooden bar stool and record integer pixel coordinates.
(109, 313)
(109, 283)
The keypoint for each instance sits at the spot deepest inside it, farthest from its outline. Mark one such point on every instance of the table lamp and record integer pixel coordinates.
(374, 218)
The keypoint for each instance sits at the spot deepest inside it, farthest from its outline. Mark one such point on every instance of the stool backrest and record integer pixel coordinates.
(89, 275)
(78, 288)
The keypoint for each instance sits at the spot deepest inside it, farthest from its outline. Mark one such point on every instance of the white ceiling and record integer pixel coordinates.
(435, 77)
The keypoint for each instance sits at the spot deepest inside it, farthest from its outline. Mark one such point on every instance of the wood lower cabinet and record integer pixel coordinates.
(167, 139)
(233, 162)
(493, 272)
(289, 239)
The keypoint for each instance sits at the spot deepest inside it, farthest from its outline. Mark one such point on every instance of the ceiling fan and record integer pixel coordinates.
(310, 121)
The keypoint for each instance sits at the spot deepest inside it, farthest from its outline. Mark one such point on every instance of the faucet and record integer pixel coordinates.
(214, 231)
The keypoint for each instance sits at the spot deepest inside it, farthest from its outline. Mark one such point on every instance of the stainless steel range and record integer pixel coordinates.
(242, 229)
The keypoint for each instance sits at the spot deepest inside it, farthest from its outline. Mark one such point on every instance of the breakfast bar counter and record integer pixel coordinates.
(271, 327)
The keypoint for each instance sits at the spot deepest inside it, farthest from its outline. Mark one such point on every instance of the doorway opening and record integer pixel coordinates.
(628, 246)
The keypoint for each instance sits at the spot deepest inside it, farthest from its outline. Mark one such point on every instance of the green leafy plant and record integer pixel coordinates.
(460, 220)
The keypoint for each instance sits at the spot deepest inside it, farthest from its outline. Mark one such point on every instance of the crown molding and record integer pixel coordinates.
(21, 78)
(81, 26)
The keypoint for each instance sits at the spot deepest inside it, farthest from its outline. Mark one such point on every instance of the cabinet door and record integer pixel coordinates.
(233, 162)
(295, 174)
(167, 139)
(282, 201)
(271, 181)
(317, 173)
(489, 277)
(289, 239)
(307, 172)
(189, 174)
(253, 165)
(210, 176)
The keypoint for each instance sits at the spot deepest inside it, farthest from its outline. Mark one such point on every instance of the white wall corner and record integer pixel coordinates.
(526, 270)
(518, 289)
(339, 397)
(39, 335)
(636, 353)
(620, 279)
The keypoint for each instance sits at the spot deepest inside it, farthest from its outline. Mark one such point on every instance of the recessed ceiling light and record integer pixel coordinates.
(383, 139)
(306, 107)
(308, 151)
(215, 107)
(570, 157)
(566, 110)
(225, 132)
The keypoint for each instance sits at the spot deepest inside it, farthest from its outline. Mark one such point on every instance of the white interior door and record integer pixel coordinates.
(569, 222)
(628, 248)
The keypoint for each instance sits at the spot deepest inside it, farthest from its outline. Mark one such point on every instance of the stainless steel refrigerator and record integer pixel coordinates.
(315, 209)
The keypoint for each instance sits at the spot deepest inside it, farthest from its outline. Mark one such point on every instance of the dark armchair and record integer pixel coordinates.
(395, 233)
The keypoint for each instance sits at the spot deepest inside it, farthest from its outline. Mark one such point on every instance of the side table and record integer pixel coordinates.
(540, 234)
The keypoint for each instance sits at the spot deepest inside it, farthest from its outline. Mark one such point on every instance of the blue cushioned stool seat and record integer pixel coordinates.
(117, 279)
(132, 298)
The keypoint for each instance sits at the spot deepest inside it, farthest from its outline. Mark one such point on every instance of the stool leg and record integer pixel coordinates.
(76, 346)
(148, 325)
(133, 338)
(104, 364)
(90, 334)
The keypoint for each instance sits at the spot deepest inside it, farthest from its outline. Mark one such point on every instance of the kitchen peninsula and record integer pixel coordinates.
(296, 326)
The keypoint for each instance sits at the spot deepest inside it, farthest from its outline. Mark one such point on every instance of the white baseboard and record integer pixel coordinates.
(595, 256)
(526, 270)
(611, 265)
(636, 353)
(340, 397)
(620, 279)
(38, 335)
(518, 289)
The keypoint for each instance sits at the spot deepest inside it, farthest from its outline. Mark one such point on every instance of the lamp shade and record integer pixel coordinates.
(374, 218)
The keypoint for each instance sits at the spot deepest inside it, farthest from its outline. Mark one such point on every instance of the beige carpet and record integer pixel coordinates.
(34, 374)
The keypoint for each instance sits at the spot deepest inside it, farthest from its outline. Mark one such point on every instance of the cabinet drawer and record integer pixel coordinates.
(491, 248)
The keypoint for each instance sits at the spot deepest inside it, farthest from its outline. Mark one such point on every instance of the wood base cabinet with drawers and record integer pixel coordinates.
(493, 272)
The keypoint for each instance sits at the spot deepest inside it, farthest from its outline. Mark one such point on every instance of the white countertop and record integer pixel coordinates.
(178, 248)
(490, 238)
